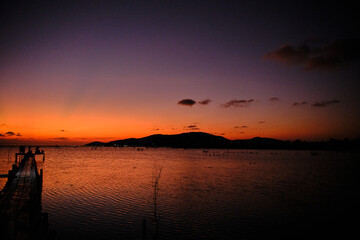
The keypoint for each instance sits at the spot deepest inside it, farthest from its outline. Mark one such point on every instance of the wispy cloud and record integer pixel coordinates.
(205, 102)
(261, 122)
(300, 103)
(317, 104)
(61, 138)
(192, 127)
(190, 102)
(186, 102)
(325, 103)
(274, 99)
(327, 57)
(237, 103)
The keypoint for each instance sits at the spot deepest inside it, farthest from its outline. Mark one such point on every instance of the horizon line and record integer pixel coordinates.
(77, 142)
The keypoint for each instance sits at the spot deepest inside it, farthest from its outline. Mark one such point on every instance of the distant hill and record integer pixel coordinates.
(95, 144)
(184, 140)
(206, 140)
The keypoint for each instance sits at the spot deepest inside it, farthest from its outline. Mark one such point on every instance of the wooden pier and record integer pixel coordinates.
(20, 201)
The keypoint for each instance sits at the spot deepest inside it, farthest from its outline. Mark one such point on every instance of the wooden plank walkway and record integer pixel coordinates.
(20, 202)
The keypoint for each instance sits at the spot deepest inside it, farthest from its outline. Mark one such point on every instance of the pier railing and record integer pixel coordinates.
(20, 200)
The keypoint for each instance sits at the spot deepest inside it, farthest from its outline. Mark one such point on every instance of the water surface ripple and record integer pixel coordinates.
(105, 193)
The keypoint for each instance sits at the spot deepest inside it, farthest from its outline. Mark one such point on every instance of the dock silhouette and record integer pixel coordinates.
(21, 217)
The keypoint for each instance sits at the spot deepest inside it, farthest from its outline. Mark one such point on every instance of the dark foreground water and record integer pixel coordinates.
(220, 194)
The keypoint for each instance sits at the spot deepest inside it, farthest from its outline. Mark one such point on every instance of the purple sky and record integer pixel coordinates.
(131, 60)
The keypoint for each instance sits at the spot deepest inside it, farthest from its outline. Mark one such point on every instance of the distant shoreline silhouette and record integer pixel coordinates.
(206, 140)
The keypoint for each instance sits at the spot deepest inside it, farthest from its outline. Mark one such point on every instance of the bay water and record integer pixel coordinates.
(165, 193)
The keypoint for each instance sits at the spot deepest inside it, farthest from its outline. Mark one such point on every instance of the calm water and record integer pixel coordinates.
(236, 194)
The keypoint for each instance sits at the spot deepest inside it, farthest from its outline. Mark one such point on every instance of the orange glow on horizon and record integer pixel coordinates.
(86, 120)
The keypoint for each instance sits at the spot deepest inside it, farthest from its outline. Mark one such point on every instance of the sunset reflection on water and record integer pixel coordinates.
(105, 193)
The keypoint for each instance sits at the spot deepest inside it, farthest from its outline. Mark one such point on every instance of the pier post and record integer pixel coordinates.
(144, 228)
(41, 183)
(46, 220)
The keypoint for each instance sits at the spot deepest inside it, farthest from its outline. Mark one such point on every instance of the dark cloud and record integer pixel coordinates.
(10, 133)
(242, 132)
(2, 135)
(205, 102)
(62, 130)
(261, 122)
(187, 102)
(18, 135)
(241, 126)
(288, 55)
(156, 129)
(237, 103)
(325, 103)
(299, 103)
(61, 138)
(274, 99)
(192, 127)
(327, 57)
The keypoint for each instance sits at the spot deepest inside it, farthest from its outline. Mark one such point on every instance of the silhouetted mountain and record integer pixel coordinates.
(205, 140)
(95, 144)
(184, 140)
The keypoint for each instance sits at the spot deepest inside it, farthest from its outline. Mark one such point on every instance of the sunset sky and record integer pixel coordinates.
(106, 70)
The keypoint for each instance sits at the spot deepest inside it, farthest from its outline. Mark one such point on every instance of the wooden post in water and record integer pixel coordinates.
(144, 228)
(41, 183)
(46, 220)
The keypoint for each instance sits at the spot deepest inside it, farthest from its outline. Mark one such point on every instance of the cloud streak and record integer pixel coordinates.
(190, 102)
(237, 103)
(317, 104)
(205, 102)
(11, 134)
(327, 57)
(325, 103)
(300, 103)
(192, 127)
(274, 99)
(61, 138)
(187, 102)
